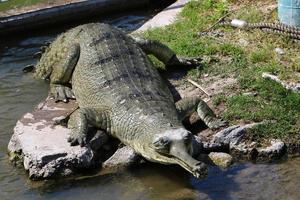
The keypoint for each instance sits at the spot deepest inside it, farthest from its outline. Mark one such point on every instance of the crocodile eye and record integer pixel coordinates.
(161, 143)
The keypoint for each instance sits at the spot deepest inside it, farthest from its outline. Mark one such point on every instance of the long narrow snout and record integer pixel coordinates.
(185, 160)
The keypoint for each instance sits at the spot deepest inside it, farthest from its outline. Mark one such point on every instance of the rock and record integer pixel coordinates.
(279, 51)
(42, 147)
(99, 140)
(122, 159)
(241, 148)
(232, 140)
(275, 150)
(200, 147)
(251, 94)
(222, 160)
(231, 135)
(243, 42)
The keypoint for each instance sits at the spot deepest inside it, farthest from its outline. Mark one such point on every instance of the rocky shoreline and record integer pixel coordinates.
(41, 146)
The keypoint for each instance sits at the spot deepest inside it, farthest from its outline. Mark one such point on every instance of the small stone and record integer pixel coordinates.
(252, 94)
(232, 135)
(99, 140)
(122, 159)
(222, 160)
(279, 51)
(243, 42)
(275, 151)
(67, 172)
(253, 145)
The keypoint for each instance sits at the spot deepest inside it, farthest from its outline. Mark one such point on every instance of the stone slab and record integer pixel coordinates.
(122, 159)
(43, 146)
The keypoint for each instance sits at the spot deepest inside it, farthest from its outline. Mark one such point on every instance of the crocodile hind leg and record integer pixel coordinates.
(165, 54)
(62, 73)
(185, 107)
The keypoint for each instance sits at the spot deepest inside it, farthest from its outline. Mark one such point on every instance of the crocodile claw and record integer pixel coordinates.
(184, 61)
(75, 140)
(200, 170)
(190, 61)
(61, 93)
(218, 123)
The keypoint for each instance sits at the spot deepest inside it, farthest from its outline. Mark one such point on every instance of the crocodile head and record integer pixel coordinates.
(175, 147)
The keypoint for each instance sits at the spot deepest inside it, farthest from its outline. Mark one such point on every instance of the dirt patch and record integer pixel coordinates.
(266, 7)
(214, 85)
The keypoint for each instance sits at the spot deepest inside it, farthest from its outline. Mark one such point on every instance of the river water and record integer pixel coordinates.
(19, 93)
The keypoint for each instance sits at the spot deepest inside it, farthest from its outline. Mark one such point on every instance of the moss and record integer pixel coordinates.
(16, 157)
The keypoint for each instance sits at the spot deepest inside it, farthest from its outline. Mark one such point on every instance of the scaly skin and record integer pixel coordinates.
(119, 90)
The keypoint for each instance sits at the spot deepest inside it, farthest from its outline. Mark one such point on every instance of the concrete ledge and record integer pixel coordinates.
(65, 13)
(166, 17)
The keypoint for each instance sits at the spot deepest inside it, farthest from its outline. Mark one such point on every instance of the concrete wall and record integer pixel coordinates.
(66, 13)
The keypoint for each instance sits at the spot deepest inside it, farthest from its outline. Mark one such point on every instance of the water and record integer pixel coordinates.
(19, 93)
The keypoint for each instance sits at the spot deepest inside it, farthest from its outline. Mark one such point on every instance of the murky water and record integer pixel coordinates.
(19, 93)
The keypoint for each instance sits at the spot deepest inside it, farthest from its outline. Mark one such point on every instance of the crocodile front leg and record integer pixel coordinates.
(165, 54)
(78, 124)
(62, 73)
(79, 121)
(187, 106)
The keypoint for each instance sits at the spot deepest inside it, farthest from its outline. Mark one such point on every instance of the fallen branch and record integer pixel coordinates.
(199, 86)
(215, 24)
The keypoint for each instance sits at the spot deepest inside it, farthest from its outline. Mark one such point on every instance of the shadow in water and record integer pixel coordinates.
(220, 183)
(150, 181)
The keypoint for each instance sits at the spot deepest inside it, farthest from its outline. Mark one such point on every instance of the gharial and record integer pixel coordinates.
(120, 91)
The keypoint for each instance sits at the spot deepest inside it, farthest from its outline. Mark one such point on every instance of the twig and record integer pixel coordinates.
(199, 86)
(215, 24)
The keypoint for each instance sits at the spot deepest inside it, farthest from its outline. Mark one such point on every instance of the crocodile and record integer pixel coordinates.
(119, 90)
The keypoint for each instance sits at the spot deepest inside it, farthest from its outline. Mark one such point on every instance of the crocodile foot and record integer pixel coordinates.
(184, 61)
(217, 123)
(61, 93)
(75, 139)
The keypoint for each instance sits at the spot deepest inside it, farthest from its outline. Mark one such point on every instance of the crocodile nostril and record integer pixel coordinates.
(200, 170)
(200, 164)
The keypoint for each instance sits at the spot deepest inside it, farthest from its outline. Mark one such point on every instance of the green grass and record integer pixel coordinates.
(11, 4)
(273, 103)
